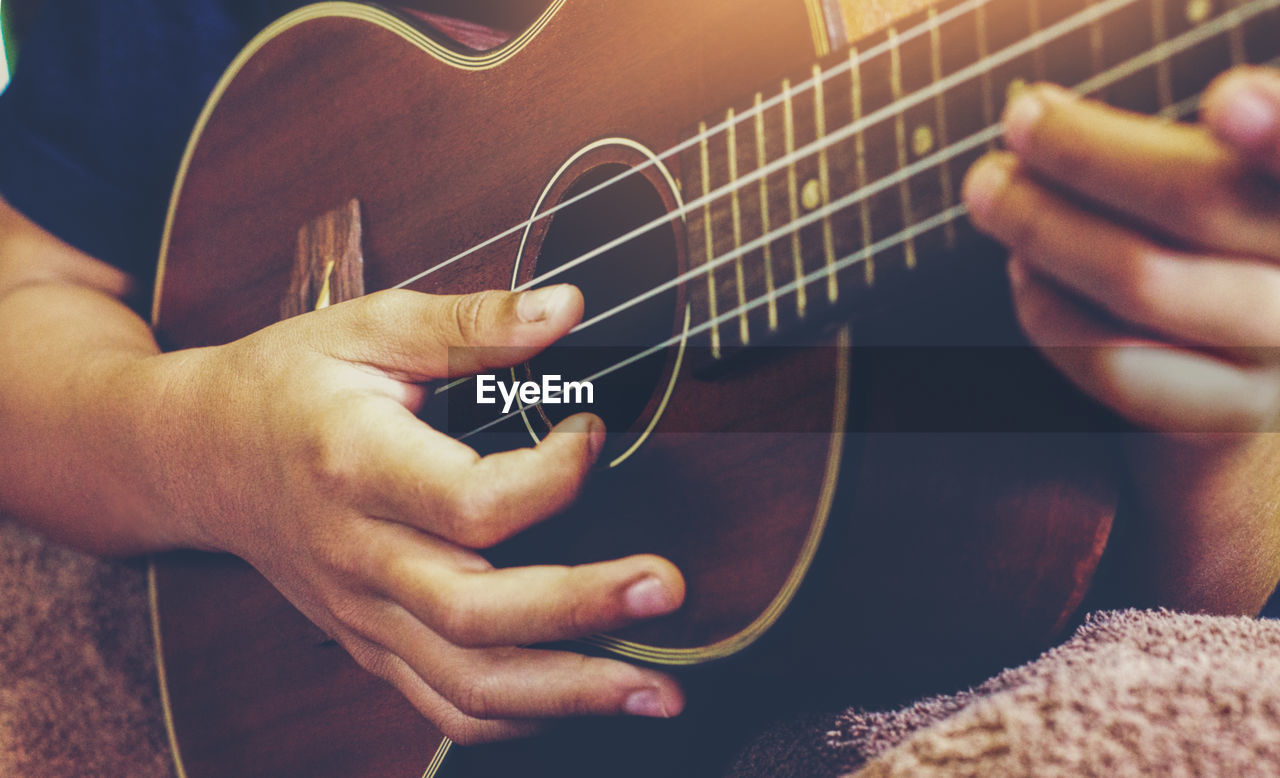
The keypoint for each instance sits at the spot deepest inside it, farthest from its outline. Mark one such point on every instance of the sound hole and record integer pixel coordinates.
(626, 395)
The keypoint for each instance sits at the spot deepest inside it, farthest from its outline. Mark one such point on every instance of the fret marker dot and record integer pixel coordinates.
(922, 140)
(1199, 10)
(1016, 87)
(811, 195)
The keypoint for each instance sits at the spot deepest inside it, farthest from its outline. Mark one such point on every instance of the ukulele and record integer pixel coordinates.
(743, 189)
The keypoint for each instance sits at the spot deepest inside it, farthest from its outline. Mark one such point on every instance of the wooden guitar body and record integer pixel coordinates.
(830, 527)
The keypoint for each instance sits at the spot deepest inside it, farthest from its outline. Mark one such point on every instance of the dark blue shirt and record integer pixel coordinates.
(1272, 608)
(94, 123)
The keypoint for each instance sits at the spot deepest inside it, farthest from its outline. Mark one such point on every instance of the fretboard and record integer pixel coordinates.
(845, 178)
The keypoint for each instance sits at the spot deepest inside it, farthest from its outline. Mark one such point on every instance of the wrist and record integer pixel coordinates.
(1207, 534)
(150, 407)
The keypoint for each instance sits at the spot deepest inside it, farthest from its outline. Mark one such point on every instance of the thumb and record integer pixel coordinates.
(420, 337)
(1242, 108)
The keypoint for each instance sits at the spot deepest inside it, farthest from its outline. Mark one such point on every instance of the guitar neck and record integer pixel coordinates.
(845, 178)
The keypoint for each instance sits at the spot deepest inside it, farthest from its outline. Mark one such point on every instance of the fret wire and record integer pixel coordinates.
(931, 223)
(1103, 7)
(847, 201)
(710, 238)
(862, 256)
(950, 215)
(817, 27)
(950, 14)
(1037, 56)
(1164, 72)
(1095, 84)
(860, 151)
(1235, 40)
(1096, 51)
(793, 193)
(940, 104)
(1225, 23)
(824, 180)
(988, 89)
(762, 160)
(735, 205)
(900, 130)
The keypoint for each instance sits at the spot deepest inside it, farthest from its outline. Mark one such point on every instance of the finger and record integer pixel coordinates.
(472, 604)
(403, 470)
(1211, 301)
(520, 683)
(420, 337)
(1154, 385)
(1242, 108)
(1174, 179)
(452, 723)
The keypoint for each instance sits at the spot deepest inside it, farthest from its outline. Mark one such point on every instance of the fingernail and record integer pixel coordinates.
(646, 702)
(589, 425)
(1020, 118)
(647, 597)
(1248, 118)
(983, 186)
(597, 434)
(541, 304)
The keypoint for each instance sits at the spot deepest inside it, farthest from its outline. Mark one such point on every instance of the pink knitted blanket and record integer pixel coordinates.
(1131, 693)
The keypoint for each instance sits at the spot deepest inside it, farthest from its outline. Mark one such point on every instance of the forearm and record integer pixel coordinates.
(79, 386)
(1144, 262)
(1210, 517)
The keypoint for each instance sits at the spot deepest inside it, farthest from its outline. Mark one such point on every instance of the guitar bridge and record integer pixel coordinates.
(328, 265)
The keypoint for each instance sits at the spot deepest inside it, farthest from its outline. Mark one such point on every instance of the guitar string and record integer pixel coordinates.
(1163, 51)
(1094, 13)
(1179, 110)
(894, 109)
(1159, 53)
(1233, 18)
(711, 132)
(916, 230)
(1229, 20)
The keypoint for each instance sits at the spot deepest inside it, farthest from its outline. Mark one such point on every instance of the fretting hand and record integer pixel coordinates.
(1155, 246)
(1145, 262)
